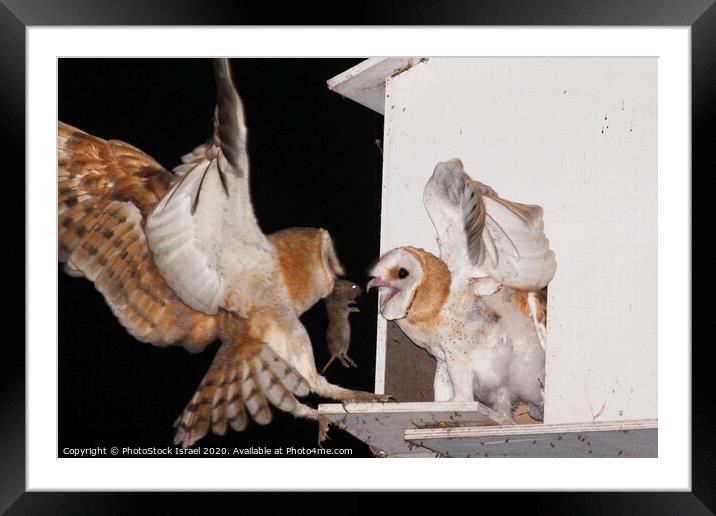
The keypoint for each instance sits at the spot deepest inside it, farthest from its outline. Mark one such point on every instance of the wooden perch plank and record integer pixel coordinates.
(601, 439)
(382, 425)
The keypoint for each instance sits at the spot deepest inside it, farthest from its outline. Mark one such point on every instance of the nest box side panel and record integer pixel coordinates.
(578, 137)
(409, 369)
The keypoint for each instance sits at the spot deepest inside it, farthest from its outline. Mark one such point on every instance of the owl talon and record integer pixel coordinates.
(384, 398)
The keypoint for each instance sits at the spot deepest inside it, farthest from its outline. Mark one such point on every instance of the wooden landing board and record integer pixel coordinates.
(382, 425)
(365, 82)
(599, 439)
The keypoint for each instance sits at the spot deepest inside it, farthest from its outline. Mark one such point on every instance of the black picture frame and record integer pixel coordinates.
(17, 15)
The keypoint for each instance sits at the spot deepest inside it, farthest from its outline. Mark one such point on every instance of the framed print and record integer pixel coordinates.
(574, 142)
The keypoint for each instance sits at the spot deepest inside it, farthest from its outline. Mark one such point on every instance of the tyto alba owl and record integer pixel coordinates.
(180, 259)
(477, 309)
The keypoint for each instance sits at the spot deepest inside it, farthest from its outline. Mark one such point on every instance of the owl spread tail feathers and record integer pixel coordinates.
(245, 376)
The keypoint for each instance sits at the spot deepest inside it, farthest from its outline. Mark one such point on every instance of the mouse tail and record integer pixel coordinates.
(330, 361)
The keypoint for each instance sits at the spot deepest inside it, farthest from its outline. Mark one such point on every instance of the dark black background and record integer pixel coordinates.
(314, 162)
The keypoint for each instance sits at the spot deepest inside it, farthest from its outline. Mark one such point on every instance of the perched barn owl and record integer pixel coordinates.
(180, 259)
(477, 308)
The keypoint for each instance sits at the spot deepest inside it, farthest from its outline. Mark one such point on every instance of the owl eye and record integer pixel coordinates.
(403, 273)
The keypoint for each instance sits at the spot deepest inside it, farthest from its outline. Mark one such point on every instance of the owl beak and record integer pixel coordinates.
(377, 282)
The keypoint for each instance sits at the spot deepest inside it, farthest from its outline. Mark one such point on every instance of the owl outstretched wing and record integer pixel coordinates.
(484, 237)
(205, 221)
(105, 190)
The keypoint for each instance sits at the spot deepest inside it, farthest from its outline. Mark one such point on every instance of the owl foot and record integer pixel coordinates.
(536, 412)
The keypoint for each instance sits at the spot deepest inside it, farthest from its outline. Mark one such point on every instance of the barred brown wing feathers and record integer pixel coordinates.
(92, 171)
(105, 190)
(114, 255)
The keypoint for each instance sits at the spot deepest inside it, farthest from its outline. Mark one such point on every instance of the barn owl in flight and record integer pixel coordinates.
(478, 308)
(181, 260)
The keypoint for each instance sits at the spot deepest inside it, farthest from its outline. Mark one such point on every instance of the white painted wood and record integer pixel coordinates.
(365, 82)
(380, 354)
(600, 439)
(382, 425)
(578, 137)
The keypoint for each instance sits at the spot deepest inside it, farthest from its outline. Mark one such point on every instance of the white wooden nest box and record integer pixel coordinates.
(578, 136)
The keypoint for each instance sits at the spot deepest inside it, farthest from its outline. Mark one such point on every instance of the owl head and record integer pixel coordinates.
(410, 282)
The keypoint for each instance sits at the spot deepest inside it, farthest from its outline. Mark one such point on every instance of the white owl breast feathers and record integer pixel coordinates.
(484, 238)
